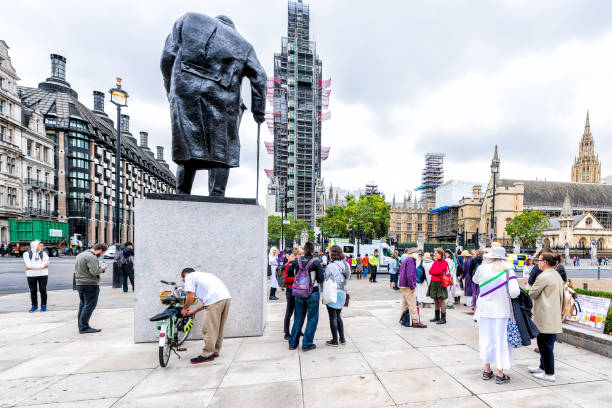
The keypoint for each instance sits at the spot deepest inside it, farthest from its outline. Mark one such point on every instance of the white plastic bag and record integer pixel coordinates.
(330, 292)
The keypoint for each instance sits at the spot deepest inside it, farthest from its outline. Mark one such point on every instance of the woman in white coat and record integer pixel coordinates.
(422, 298)
(498, 285)
(273, 265)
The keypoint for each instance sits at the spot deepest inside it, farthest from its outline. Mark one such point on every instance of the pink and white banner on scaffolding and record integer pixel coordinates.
(324, 83)
(324, 152)
(325, 115)
(269, 173)
(269, 147)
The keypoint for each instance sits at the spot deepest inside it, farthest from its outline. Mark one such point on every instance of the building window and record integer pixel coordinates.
(589, 221)
(419, 227)
(78, 124)
(409, 226)
(398, 226)
(50, 121)
(420, 217)
(429, 227)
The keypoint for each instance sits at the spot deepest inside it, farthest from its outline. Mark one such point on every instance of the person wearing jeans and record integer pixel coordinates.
(547, 295)
(339, 272)
(87, 271)
(127, 269)
(36, 267)
(306, 306)
(289, 293)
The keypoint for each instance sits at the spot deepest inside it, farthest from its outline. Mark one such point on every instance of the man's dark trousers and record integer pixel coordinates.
(305, 306)
(88, 295)
(373, 270)
(127, 272)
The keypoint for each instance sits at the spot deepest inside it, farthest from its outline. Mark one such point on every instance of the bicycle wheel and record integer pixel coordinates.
(182, 335)
(164, 353)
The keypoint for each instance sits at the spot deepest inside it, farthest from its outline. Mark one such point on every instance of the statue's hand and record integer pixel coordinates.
(259, 117)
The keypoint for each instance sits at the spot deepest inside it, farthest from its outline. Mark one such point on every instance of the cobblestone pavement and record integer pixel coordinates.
(44, 362)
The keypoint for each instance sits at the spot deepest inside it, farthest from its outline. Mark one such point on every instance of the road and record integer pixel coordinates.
(12, 274)
(13, 279)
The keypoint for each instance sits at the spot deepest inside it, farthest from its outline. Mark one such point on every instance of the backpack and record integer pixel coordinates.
(420, 273)
(120, 258)
(280, 275)
(570, 306)
(302, 285)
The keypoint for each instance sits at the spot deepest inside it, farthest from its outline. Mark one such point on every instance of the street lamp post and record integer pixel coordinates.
(119, 99)
(494, 172)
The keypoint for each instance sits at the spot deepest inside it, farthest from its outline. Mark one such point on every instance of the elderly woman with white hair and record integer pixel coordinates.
(272, 266)
(498, 285)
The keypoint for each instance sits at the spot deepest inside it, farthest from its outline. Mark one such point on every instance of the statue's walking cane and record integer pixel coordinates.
(257, 174)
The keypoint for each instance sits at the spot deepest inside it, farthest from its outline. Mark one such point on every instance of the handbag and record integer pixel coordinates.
(512, 331)
(447, 278)
(346, 302)
(330, 290)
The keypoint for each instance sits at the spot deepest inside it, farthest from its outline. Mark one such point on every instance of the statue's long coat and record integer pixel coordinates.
(203, 63)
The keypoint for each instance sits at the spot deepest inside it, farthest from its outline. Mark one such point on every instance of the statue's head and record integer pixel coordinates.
(226, 20)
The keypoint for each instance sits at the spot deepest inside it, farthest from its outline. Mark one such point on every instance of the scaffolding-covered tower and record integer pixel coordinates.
(298, 94)
(433, 177)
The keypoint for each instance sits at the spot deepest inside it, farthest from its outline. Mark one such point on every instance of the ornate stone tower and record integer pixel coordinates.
(587, 167)
(566, 222)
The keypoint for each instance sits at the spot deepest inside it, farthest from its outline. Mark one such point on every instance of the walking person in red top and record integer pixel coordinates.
(366, 266)
(288, 292)
(436, 291)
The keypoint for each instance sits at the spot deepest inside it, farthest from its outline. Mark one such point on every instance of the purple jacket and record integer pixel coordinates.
(407, 277)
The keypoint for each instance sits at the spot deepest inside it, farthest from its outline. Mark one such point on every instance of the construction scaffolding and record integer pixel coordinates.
(432, 176)
(298, 94)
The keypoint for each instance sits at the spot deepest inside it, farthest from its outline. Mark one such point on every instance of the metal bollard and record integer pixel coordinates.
(598, 272)
(116, 276)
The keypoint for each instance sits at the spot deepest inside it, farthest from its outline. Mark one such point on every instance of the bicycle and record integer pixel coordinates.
(173, 327)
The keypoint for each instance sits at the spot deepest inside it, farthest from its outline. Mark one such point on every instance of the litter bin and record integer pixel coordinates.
(116, 276)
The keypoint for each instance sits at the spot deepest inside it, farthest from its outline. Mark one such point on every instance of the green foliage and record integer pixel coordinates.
(291, 230)
(528, 226)
(608, 295)
(370, 213)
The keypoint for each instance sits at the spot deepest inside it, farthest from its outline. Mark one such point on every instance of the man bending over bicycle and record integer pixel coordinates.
(215, 300)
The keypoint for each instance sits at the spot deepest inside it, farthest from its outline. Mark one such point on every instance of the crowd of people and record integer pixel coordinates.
(506, 315)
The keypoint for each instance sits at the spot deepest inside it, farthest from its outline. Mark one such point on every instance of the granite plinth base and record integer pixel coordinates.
(227, 240)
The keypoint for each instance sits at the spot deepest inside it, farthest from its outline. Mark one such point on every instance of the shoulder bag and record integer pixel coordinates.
(512, 331)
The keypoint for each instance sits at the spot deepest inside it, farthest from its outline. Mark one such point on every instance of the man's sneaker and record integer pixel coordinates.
(343, 342)
(308, 348)
(545, 377)
(535, 370)
(272, 298)
(502, 380)
(287, 336)
(201, 359)
(43, 308)
(33, 309)
(331, 343)
(90, 330)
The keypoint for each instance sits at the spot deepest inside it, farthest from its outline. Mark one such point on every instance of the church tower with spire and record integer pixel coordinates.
(587, 167)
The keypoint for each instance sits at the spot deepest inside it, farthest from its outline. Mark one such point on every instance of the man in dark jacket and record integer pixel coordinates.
(535, 271)
(203, 63)
(309, 305)
(125, 259)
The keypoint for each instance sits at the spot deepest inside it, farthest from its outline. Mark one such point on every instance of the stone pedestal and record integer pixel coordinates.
(225, 237)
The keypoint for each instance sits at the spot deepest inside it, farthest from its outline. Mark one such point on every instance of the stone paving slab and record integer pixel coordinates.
(383, 364)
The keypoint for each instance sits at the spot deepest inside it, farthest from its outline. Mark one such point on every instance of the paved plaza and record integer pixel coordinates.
(44, 362)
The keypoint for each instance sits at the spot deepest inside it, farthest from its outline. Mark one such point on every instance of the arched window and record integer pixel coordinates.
(600, 243)
(546, 243)
(582, 243)
(589, 221)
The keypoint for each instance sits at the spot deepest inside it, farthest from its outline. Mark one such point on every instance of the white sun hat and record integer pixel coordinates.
(496, 252)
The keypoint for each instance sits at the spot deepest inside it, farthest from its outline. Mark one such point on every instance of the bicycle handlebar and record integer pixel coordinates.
(168, 283)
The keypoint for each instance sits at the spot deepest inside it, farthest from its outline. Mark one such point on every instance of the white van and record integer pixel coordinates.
(384, 251)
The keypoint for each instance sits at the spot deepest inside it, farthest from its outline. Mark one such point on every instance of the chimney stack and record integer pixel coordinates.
(477, 191)
(125, 124)
(160, 153)
(98, 98)
(144, 140)
(58, 67)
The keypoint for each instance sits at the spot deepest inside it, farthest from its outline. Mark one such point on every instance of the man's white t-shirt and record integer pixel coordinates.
(207, 287)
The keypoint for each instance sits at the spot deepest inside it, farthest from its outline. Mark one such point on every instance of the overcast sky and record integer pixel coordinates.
(408, 77)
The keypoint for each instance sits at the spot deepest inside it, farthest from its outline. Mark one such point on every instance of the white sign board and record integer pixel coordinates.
(590, 312)
(57, 233)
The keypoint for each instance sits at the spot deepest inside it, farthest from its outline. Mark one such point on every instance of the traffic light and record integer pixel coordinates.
(352, 236)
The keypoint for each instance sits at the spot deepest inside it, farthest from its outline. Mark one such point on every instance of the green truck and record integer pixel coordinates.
(53, 234)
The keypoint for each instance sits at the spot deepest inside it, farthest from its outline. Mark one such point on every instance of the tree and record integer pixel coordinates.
(290, 231)
(528, 226)
(369, 214)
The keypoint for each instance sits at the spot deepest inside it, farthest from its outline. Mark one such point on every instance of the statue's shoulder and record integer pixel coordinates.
(200, 18)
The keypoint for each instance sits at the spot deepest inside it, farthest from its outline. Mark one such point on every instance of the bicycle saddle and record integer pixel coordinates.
(166, 314)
